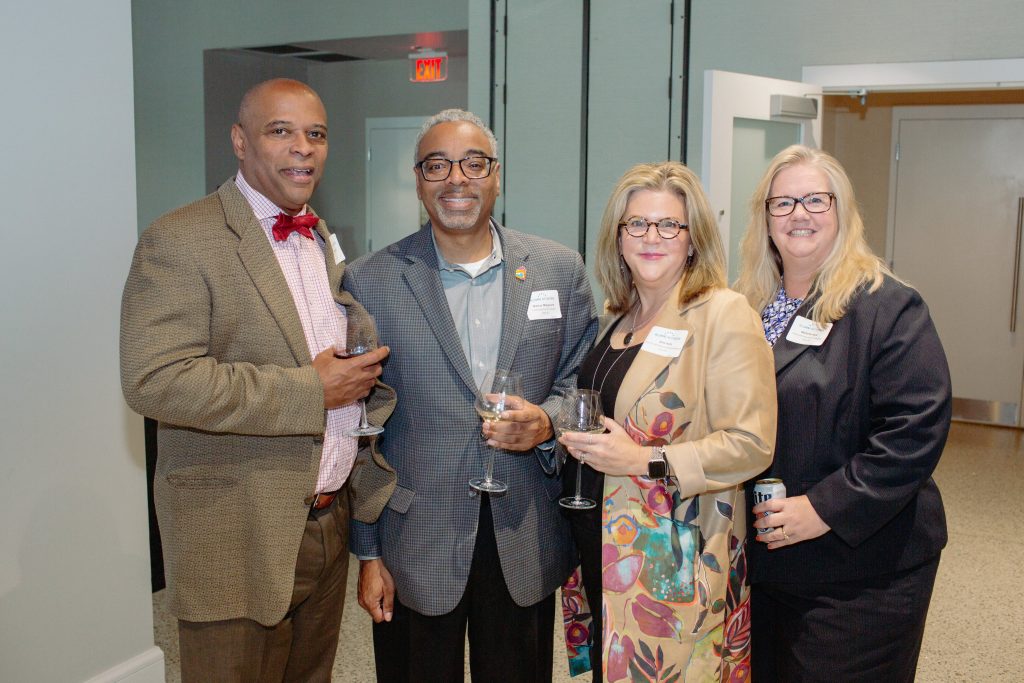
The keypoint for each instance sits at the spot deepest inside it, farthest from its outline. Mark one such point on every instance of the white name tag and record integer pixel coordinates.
(544, 305)
(339, 255)
(807, 332)
(662, 341)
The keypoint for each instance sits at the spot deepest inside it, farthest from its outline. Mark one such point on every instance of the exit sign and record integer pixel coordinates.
(428, 67)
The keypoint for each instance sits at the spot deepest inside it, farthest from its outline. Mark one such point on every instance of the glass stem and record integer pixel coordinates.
(363, 424)
(579, 472)
(490, 465)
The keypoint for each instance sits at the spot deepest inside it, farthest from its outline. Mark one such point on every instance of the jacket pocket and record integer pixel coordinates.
(197, 479)
(401, 499)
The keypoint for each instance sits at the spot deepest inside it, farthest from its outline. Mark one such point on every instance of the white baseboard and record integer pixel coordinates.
(145, 667)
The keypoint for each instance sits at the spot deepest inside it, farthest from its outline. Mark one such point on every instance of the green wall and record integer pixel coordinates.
(169, 38)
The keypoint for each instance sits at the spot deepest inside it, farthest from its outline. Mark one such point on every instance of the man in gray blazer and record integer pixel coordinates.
(230, 317)
(462, 296)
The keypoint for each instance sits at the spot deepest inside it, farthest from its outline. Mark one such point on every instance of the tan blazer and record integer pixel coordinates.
(742, 419)
(674, 573)
(213, 349)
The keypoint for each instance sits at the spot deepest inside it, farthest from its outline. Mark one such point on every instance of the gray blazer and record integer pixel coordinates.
(427, 531)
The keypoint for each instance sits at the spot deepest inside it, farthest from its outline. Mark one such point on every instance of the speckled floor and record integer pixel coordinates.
(976, 620)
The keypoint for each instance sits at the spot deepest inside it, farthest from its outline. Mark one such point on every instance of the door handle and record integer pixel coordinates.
(1016, 266)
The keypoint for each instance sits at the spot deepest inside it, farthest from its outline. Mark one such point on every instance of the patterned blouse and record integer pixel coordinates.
(777, 313)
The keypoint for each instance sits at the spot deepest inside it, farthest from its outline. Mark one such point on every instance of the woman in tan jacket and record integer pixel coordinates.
(683, 367)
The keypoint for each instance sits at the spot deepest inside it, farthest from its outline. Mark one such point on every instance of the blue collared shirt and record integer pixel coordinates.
(476, 303)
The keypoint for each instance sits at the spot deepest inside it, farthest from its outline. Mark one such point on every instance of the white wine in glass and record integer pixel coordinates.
(494, 391)
(580, 413)
(358, 343)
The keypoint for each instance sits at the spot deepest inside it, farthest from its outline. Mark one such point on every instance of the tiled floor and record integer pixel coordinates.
(976, 621)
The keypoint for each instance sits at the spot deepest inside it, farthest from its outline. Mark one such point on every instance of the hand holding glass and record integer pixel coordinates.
(494, 391)
(360, 341)
(580, 413)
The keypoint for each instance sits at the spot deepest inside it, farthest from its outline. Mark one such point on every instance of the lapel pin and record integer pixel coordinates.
(520, 273)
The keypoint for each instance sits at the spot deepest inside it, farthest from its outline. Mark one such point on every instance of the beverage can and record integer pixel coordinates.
(766, 489)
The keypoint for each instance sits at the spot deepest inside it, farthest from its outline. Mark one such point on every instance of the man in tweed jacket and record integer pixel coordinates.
(462, 296)
(227, 335)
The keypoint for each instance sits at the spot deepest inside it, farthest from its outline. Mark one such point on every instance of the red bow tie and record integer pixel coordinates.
(286, 224)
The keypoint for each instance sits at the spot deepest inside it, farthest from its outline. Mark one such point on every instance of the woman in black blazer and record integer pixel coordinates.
(841, 585)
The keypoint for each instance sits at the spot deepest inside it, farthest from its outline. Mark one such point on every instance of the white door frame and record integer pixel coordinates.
(728, 96)
(972, 74)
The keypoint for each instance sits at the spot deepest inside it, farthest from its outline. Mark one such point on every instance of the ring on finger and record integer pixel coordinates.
(785, 536)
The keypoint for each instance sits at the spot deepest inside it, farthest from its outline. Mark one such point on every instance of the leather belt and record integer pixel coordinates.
(323, 500)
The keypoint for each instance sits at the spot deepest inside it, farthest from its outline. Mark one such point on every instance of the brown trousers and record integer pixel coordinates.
(301, 648)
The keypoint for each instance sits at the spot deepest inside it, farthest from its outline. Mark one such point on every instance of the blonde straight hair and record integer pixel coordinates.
(850, 265)
(703, 271)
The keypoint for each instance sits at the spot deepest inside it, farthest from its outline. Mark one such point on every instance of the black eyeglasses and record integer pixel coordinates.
(436, 169)
(668, 228)
(815, 202)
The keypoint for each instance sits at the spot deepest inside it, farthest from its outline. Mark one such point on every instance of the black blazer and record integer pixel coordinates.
(863, 419)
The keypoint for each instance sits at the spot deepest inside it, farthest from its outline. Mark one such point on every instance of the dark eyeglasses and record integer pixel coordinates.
(815, 202)
(436, 169)
(668, 228)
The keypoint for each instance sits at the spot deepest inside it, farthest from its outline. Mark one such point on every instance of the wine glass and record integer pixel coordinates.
(360, 340)
(581, 412)
(497, 386)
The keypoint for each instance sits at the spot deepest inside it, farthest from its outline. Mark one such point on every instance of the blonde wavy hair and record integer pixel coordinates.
(703, 271)
(850, 265)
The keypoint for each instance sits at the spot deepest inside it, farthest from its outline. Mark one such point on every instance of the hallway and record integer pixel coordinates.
(977, 614)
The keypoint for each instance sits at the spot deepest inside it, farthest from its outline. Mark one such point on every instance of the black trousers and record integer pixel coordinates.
(506, 642)
(857, 631)
(586, 532)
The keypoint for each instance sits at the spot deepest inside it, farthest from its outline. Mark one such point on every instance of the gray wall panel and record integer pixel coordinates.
(541, 137)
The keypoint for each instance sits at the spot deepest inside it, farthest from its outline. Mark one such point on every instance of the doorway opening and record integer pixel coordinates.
(938, 181)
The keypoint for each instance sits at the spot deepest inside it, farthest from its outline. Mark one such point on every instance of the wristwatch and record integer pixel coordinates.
(657, 466)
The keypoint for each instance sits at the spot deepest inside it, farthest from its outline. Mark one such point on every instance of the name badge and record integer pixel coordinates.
(339, 255)
(544, 305)
(662, 341)
(807, 332)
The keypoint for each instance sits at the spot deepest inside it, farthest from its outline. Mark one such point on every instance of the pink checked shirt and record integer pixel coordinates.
(323, 322)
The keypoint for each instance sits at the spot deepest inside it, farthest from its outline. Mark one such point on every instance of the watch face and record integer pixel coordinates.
(656, 469)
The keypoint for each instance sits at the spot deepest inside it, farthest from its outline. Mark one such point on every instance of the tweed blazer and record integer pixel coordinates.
(213, 349)
(426, 533)
(863, 419)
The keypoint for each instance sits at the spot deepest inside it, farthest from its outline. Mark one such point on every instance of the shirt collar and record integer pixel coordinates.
(263, 207)
(496, 257)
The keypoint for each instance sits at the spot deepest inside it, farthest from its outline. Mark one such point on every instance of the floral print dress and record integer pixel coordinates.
(675, 596)
(674, 574)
